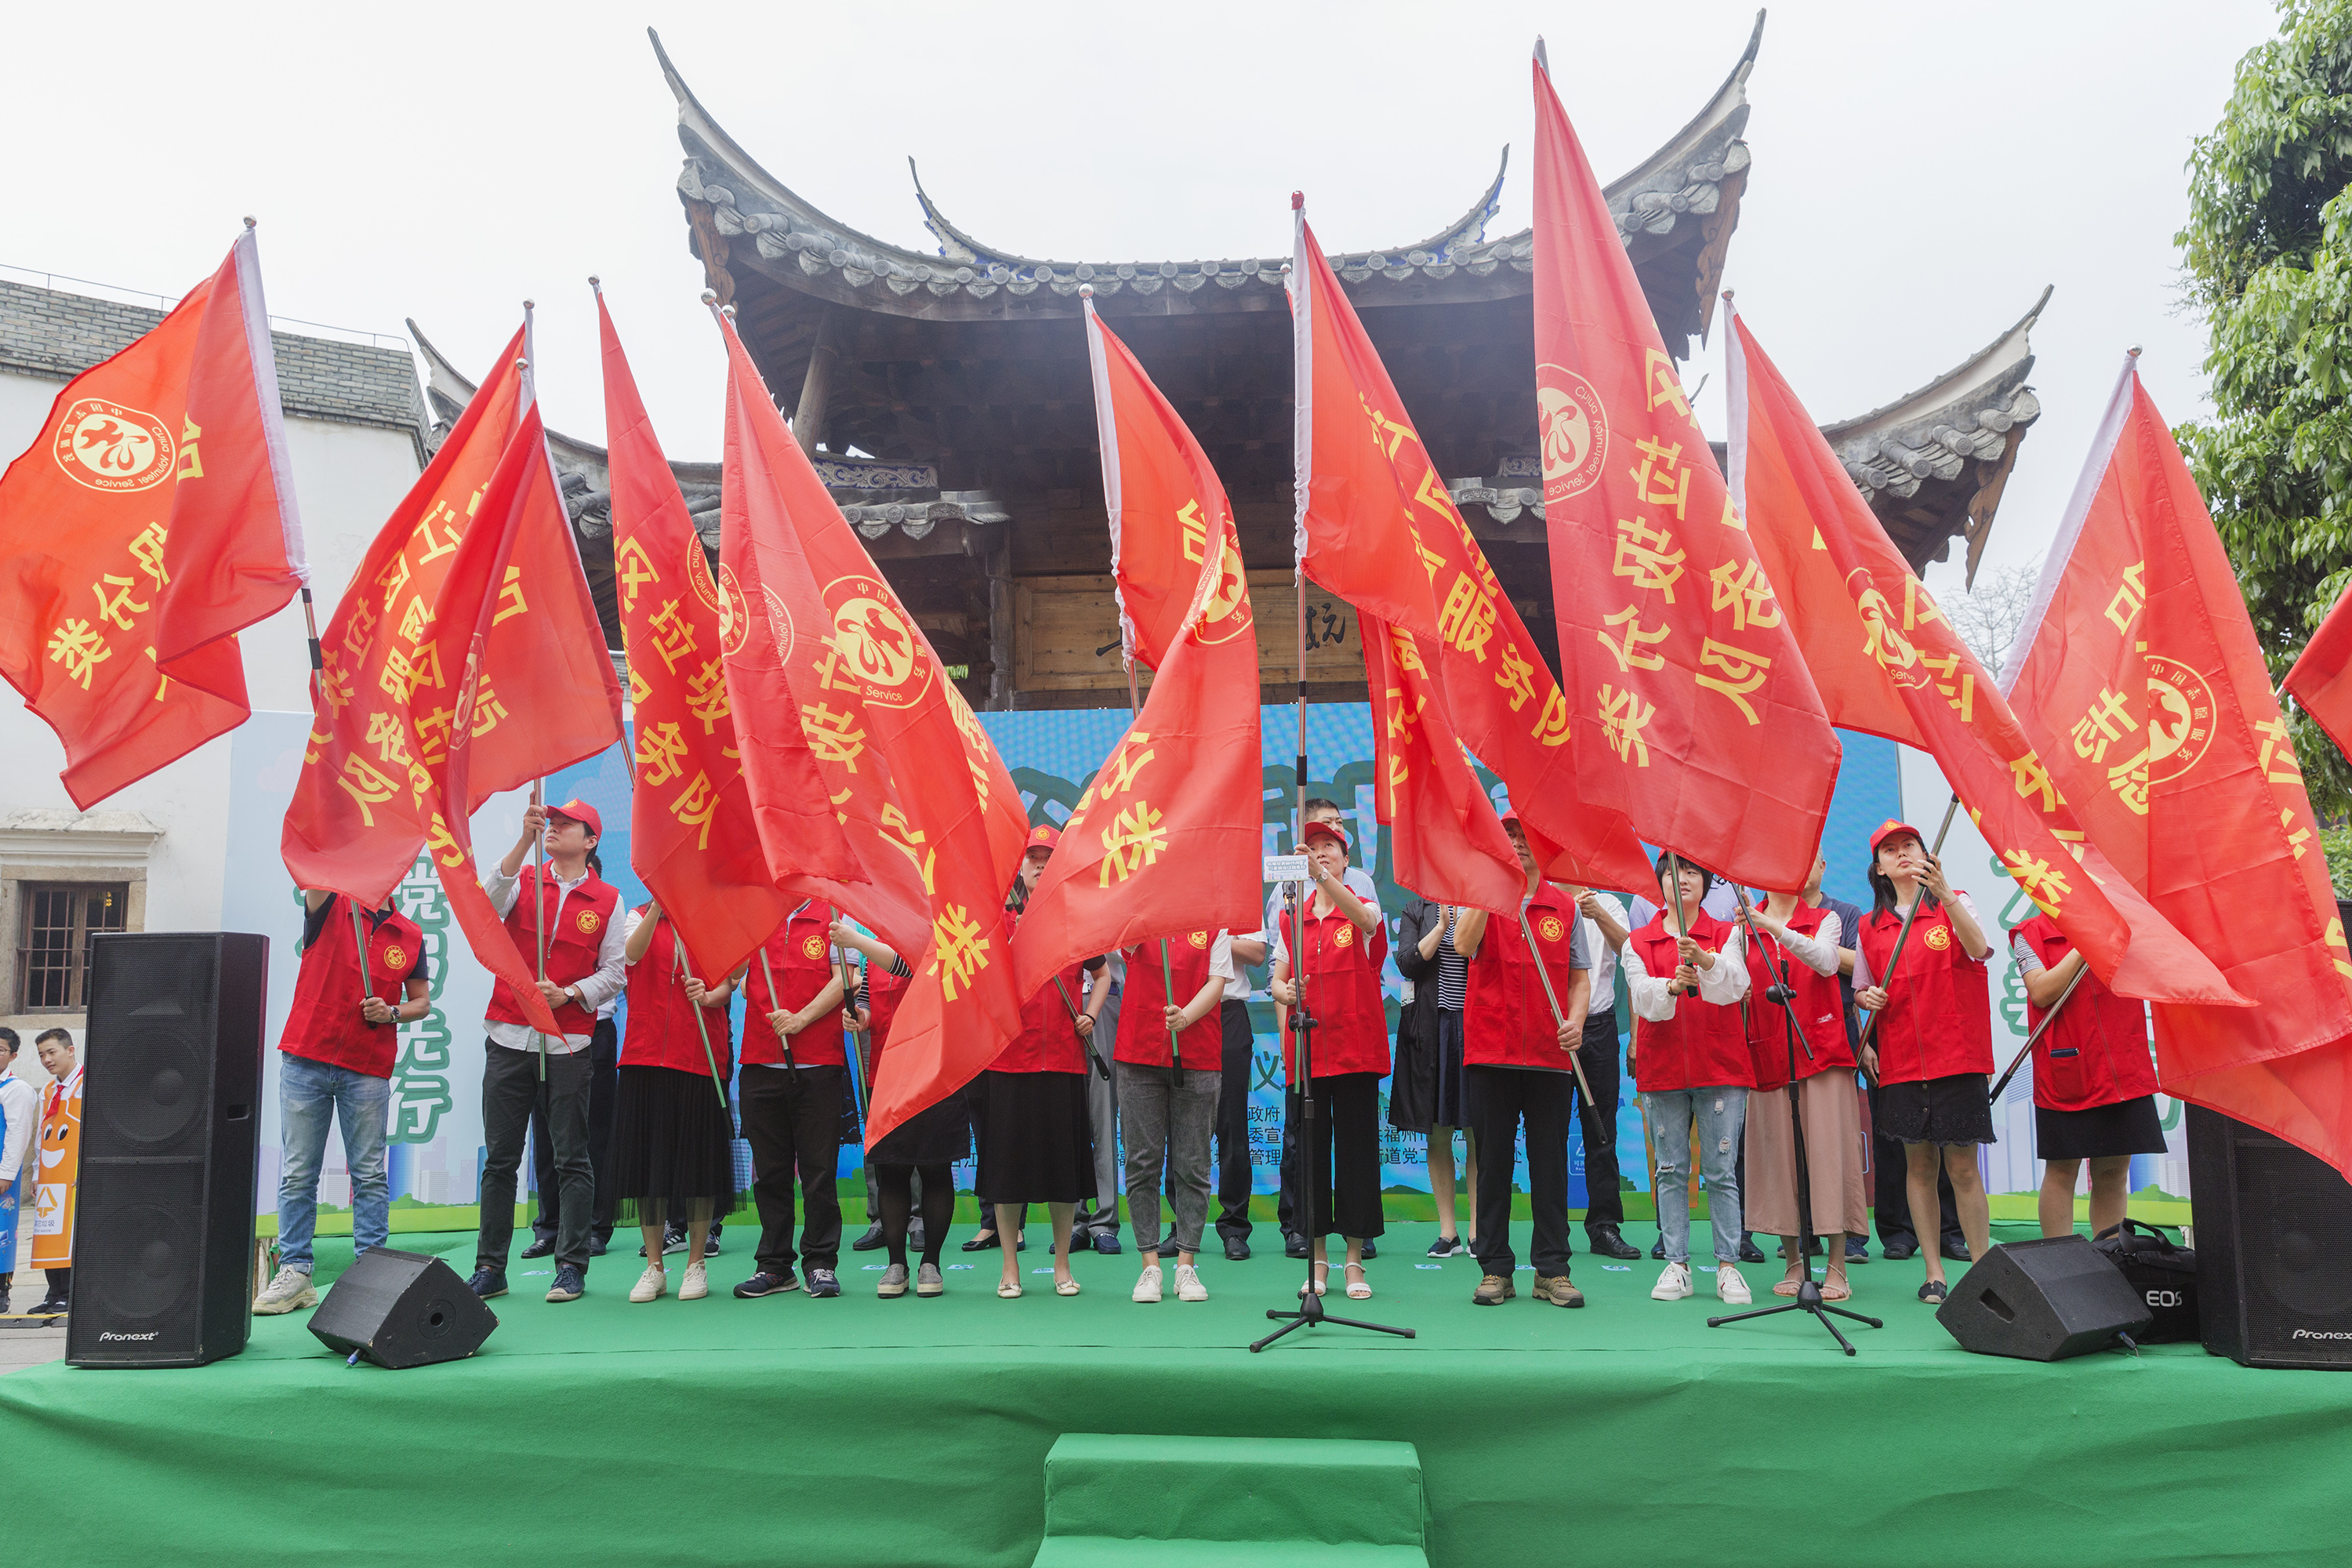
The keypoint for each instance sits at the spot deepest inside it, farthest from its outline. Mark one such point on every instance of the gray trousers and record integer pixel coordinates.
(1168, 1127)
(511, 1088)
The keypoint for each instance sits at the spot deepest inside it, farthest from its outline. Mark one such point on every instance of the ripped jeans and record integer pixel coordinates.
(1720, 1113)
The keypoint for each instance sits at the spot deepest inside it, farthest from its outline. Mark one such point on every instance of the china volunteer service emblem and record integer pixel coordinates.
(1938, 938)
(588, 920)
(1574, 431)
(1347, 935)
(396, 959)
(1549, 928)
(2180, 717)
(1199, 939)
(1227, 614)
(725, 596)
(107, 446)
(873, 642)
(813, 947)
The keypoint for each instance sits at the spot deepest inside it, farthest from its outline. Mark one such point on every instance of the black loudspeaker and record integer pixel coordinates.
(2043, 1300)
(2273, 1247)
(401, 1308)
(163, 1217)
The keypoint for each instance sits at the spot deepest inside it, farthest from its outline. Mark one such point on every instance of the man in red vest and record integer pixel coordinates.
(574, 918)
(336, 1056)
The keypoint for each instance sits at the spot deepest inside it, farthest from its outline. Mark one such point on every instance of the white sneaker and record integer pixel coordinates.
(653, 1282)
(1731, 1287)
(1187, 1284)
(289, 1290)
(1672, 1285)
(1147, 1286)
(695, 1285)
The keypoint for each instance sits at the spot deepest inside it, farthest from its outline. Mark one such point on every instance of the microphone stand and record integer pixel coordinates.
(1809, 1295)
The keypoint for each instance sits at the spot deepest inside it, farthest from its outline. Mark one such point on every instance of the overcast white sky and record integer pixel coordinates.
(1920, 172)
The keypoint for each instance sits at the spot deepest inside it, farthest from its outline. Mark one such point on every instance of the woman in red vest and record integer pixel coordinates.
(1788, 941)
(2094, 1081)
(1345, 943)
(1036, 1136)
(1168, 1109)
(672, 1140)
(1931, 1045)
(1686, 976)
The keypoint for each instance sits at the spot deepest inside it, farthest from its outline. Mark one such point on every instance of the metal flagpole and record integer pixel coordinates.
(538, 904)
(776, 1004)
(1167, 977)
(1559, 1018)
(2026, 1049)
(677, 951)
(318, 674)
(1902, 933)
(858, 1037)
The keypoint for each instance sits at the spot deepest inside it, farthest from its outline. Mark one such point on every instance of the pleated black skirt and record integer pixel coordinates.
(673, 1142)
(2126, 1127)
(1036, 1138)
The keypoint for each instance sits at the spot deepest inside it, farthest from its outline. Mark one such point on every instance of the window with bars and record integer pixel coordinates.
(53, 949)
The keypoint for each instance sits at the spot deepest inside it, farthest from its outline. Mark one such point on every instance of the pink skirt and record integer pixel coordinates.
(1832, 1149)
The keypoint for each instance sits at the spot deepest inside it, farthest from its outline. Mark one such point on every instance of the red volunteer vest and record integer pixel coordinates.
(803, 961)
(574, 931)
(1819, 1003)
(662, 1028)
(324, 1023)
(1704, 1044)
(1507, 1018)
(2094, 1052)
(883, 992)
(1142, 1034)
(1343, 992)
(1938, 1017)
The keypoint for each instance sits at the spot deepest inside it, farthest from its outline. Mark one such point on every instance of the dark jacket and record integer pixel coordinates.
(1413, 1084)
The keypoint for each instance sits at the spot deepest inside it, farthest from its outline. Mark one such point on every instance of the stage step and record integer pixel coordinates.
(1179, 1502)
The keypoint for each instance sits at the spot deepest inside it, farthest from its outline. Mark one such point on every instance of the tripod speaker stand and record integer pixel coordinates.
(1809, 1295)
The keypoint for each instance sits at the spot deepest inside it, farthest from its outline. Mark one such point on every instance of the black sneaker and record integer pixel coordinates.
(1749, 1251)
(1902, 1249)
(767, 1283)
(1107, 1243)
(710, 1245)
(541, 1247)
(1604, 1240)
(1856, 1250)
(823, 1283)
(1293, 1245)
(1658, 1249)
(488, 1282)
(675, 1241)
(568, 1285)
(871, 1241)
(597, 1247)
(1447, 1247)
(1370, 1252)
(1237, 1249)
(1956, 1247)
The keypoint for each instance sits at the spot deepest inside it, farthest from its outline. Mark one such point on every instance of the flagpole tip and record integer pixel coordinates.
(1727, 296)
(1298, 200)
(1086, 290)
(252, 222)
(2132, 351)
(594, 281)
(728, 311)
(530, 304)
(710, 296)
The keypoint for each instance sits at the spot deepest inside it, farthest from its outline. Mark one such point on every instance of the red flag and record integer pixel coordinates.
(1444, 841)
(2321, 679)
(385, 714)
(886, 732)
(1500, 695)
(691, 836)
(2137, 673)
(1904, 673)
(152, 521)
(1697, 718)
(1166, 838)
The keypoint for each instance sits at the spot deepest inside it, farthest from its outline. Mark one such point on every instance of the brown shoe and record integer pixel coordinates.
(1556, 1288)
(1494, 1291)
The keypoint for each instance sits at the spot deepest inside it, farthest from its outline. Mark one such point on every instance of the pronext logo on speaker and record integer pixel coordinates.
(111, 1335)
(2322, 1334)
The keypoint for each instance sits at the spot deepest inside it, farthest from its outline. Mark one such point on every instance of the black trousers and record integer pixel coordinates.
(792, 1119)
(1347, 1155)
(1604, 1199)
(1233, 1122)
(1501, 1099)
(1890, 1192)
(511, 1090)
(604, 1083)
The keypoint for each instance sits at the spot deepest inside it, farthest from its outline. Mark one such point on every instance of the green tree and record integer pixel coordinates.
(2268, 258)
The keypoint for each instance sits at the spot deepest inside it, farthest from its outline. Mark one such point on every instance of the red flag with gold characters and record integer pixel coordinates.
(898, 754)
(1693, 710)
(1898, 669)
(1446, 842)
(152, 520)
(1501, 697)
(1166, 838)
(385, 714)
(2138, 674)
(691, 836)
(2321, 681)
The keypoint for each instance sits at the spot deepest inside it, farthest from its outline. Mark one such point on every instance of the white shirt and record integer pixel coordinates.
(1222, 966)
(1604, 957)
(610, 978)
(20, 1103)
(1724, 981)
(1862, 979)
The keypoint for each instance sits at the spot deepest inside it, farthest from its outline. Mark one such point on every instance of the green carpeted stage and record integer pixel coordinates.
(915, 1432)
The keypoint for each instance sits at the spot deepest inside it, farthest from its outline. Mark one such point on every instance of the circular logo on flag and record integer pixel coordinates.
(724, 595)
(1881, 638)
(395, 958)
(875, 642)
(1346, 934)
(813, 947)
(107, 446)
(1227, 614)
(1199, 939)
(2180, 720)
(1939, 937)
(1549, 928)
(588, 920)
(1575, 431)
(780, 622)
(461, 720)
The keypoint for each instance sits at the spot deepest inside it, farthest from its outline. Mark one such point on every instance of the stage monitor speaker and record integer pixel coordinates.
(2043, 1300)
(163, 1216)
(2273, 1247)
(402, 1308)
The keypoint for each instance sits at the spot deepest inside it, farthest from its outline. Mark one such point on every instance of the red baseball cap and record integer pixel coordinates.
(1891, 828)
(579, 811)
(1510, 816)
(1330, 828)
(1045, 836)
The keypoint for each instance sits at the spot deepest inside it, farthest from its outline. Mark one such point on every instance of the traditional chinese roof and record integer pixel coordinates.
(1676, 212)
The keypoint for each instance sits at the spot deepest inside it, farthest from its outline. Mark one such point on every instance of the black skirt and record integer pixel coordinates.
(2126, 1127)
(1036, 1138)
(938, 1135)
(671, 1141)
(1941, 1111)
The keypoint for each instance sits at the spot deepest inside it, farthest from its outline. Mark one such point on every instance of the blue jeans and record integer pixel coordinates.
(309, 1093)
(1720, 1113)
